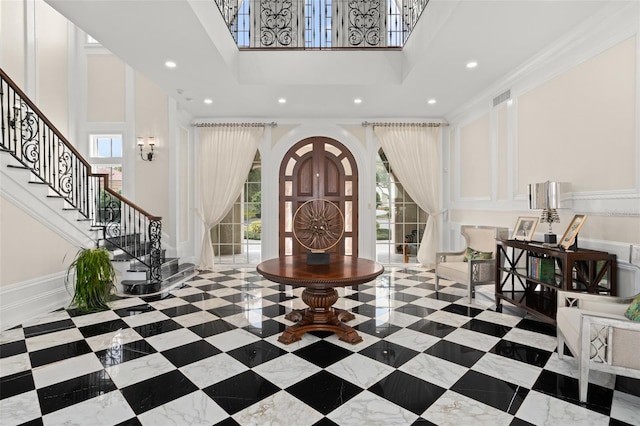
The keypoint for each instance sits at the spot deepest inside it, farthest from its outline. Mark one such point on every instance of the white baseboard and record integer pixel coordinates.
(24, 301)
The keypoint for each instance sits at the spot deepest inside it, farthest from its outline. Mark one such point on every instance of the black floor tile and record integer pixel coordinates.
(415, 310)
(273, 311)
(454, 352)
(16, 384)
(240, 391)
(197, 297)
(191, 352)
(491, 391)
(323, 353)
(156, 328)
(405, 297)
(467, 311)
(566, 388)
(256, 353)
(485, 327)
(131, 422)
(134, 310)
(73, 391)
(389, 353)
(431, 327)
(375, 328)
(49, 327)
(407, 391)
(266, 328)
(177, 311)
(102, 328)
(12, 348)
(227, 310)
(158, 390)
(126, 352)
(537, 326)
(228, 422)
(628, 385)
(520, 352)
(445, 297)
(58, 353)
(323, 391)
(367, 310)
(210, 287)
(212, 328)
(325, 422)
(279, 297)
(361, 297)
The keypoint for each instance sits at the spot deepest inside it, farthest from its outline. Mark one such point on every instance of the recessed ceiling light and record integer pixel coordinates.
(208, 101)
(472, 64)
(282, 101)
(431, 101)
(170, 64)
(357, 101)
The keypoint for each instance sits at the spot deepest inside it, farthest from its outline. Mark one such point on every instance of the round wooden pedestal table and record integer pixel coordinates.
(320, 283)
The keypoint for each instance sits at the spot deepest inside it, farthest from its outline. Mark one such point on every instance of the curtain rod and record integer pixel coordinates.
(366, 123)
(272, 124)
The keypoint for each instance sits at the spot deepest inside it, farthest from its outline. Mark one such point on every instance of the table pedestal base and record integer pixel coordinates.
(319, 316)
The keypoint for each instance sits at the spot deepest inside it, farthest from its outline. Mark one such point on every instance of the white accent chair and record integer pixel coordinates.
(451, 265)
(598, 335)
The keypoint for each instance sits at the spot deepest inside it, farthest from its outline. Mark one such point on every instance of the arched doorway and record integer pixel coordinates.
(318, 167)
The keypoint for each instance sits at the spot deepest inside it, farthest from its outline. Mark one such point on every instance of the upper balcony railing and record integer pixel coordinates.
(321, 24)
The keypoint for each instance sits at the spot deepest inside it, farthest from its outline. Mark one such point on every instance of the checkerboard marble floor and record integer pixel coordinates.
(207, 353)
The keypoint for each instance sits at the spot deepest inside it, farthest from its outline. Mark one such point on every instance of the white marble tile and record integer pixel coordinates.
(14, 364)
(9, 336)
(427, 302)
(360, 370)
(200, 282)
(568, 366)
(416, 291)
(532, 339)
(107, 409)
(95, 318)
(194, 409)
(346, 304)
(369, 409)
(49, 340)
(398, 318)
(232, 339)
(286, 370)
(413, 339)
(139, 369)
(195, 318)
(293, 304)
(472, 339)
(448, 318)
(507, 369)
(246, 318)
(186, 291)
(434, 370)
(46, 318)
(212, 370)
(279, 409)
(145, 318)
(541, 409)
(453, 409)
(168, 303)
(626, 407)
(455, 291)
(19, 409)
(66, 369)
(115, 338)
(207, 304)
(126, 303)
(498, 318)
(306, 340)
(172, 339)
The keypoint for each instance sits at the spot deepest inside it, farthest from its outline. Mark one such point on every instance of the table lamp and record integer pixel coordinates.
(546, 196)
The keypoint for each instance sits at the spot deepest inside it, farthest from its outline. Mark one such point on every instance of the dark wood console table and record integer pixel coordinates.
(320, 282)
(529, 274)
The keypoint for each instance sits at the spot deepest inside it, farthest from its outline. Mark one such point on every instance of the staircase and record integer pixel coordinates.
(35, 156)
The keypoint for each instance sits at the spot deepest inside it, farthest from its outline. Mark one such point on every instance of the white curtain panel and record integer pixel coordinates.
(414, 156)
(225, 157)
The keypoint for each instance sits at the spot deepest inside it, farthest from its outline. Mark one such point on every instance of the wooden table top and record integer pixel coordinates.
(341, 271)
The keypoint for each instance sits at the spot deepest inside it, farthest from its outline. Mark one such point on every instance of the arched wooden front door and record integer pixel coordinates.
(318, 167)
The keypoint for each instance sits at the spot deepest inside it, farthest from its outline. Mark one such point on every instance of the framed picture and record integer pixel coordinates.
(572, 231)
(524, 229)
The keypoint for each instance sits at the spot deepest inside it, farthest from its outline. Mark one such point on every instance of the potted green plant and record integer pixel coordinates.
(94, 279)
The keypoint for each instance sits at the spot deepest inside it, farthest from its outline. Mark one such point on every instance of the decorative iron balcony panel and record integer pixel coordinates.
(320, 24)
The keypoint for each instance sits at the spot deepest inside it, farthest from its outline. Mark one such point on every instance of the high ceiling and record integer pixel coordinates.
(499, 34)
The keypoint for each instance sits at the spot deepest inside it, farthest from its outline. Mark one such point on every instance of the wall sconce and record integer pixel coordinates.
(149, 155)
(546, 196)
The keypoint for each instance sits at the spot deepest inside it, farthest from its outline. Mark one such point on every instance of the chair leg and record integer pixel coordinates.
(560, 348)
(583, 371)
(471, 293)
(437, 283)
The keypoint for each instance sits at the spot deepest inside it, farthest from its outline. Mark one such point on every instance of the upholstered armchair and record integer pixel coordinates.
(598, 335)
(474, 265)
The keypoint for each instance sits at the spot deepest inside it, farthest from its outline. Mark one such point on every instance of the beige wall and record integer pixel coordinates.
(475, 159)
(105, 89)
(11, 28)
(580, 126)
(29, 249)
(152, 178)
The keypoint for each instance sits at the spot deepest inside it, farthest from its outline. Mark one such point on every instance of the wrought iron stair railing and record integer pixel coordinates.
(38, 146)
